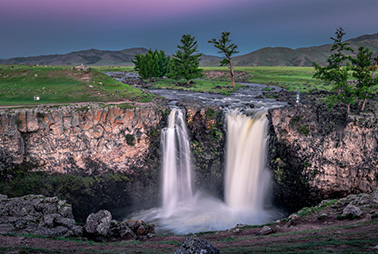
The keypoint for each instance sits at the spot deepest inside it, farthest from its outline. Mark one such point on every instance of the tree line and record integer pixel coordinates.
(352, 79)
(184, 64)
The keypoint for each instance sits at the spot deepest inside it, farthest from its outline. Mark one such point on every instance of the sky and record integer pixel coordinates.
(42, 27)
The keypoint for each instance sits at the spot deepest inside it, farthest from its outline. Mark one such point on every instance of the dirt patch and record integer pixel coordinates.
(348, 236)
(240, 76)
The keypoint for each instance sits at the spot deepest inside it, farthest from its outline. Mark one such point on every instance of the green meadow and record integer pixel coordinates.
(288, 77)
(62, 84)
(65, 84)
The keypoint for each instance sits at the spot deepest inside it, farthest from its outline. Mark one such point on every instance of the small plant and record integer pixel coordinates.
(210, 112)
(130, 140)
(304, 130)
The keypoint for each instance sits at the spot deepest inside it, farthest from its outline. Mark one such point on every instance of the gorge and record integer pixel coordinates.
(312, 155)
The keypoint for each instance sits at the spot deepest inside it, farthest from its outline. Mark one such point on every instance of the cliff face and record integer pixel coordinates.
(102, 158)
(320, 155)
(70, 139)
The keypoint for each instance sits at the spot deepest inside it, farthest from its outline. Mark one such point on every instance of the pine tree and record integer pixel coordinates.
(364, 71)
(152, 65)
(228, 49)
(335, 73)
(185, 63)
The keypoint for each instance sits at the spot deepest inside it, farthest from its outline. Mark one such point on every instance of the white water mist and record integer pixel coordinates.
(177, 172)
(246, 179)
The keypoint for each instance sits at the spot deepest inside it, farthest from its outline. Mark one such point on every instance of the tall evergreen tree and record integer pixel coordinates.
(336, 73)
(228, 49)
(364, 71)
(185, 63)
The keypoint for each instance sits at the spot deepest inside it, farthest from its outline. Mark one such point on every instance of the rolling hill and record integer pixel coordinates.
(281, 56)
(277, 56)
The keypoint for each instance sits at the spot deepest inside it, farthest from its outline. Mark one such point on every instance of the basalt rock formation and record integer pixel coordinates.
(317, 154)
(69, 139)
(100, 157)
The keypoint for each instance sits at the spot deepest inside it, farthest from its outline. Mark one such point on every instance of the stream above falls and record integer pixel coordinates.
(249, 96)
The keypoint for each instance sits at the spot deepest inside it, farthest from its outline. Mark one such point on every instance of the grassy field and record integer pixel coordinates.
(65, 84)
(290, 78)
(62, 84)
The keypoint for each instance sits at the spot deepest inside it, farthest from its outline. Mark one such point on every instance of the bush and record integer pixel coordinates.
(130, 140)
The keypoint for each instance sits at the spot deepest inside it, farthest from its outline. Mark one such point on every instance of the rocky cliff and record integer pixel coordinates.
(101, 157)
(317, 154)
(69, 139)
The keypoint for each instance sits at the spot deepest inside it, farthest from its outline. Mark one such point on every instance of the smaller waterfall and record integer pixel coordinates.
(247, 178)
(177, 172)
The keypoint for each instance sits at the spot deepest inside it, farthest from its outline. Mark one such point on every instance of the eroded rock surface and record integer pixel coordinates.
(77, 137)
(36, 214)
(318, 154)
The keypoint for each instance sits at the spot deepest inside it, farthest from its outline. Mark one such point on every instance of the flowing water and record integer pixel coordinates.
(247, 178)
(247, 191)
(177, 172)
(185, 210)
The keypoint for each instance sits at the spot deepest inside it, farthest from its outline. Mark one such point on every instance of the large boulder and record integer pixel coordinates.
(195, 245)
(98, 224)
(101, 227)
(352, 211)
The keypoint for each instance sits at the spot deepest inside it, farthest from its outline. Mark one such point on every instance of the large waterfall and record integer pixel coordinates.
(177, 175)
(246, 179)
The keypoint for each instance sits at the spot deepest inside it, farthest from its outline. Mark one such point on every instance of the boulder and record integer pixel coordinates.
(98, 224)
(194, 245)
(265, 231)
(351, 210)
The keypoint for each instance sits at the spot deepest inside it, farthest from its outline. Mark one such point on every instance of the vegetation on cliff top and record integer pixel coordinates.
(62, 84)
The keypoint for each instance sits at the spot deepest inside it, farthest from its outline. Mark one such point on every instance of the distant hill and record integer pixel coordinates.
(95, 57)
(87, 57)
(281, 56)
(278, 56)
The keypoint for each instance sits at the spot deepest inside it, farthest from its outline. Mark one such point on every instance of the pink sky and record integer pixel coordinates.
(121, 10)
(34, 27)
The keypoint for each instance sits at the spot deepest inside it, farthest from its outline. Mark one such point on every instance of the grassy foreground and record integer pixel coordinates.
(62, 84)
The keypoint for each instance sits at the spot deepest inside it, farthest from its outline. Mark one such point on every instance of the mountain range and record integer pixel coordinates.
(277, 56)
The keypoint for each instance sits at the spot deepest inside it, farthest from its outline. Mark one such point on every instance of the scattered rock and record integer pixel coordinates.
(351, 210)
(98, 224)
(36, 214)
(294, 217)
(288, 224)
(265, 231)
(195, 245)
(81, 67)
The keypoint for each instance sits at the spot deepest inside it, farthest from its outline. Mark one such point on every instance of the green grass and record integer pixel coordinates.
(62, 84)
(288, 77)
(114, 68)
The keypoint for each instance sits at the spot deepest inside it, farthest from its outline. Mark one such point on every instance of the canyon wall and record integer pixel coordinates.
(99, 157)
(69, 139)
(316, 154)
(313, 154)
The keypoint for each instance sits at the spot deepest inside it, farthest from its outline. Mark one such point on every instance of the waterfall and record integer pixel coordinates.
(177, 175)
(247, 178)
